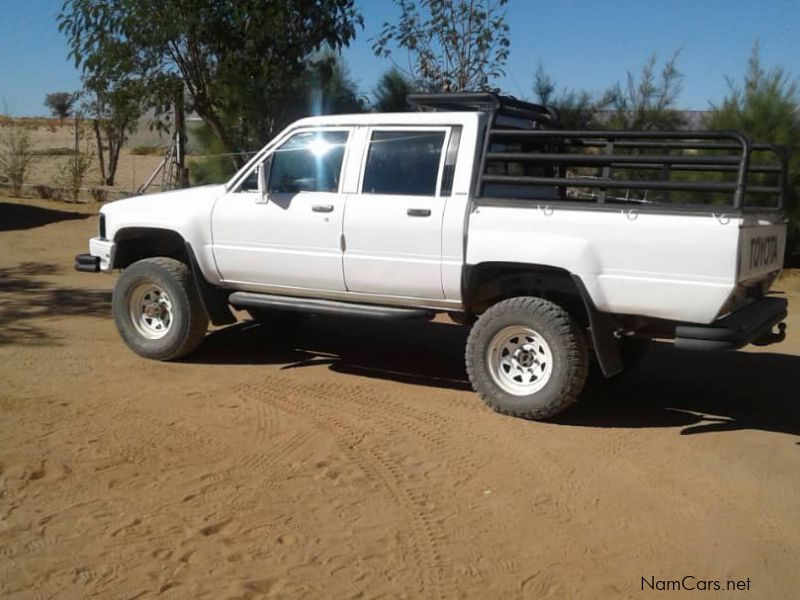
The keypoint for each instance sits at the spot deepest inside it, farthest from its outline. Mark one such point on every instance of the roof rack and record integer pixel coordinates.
(506, 111)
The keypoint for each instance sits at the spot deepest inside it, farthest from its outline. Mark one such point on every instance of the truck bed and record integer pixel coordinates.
(681, 267)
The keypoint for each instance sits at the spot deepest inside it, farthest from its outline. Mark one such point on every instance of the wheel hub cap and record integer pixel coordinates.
(520, 360)
(155, 310)
(150, 310)
(525, 358)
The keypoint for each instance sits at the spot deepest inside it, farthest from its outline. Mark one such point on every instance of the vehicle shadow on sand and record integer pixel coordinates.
(21, 216)
(410, 352)
(25, 298)
(699, 391)
(696, 391)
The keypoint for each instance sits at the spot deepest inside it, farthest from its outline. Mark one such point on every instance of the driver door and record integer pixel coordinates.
(286, 232)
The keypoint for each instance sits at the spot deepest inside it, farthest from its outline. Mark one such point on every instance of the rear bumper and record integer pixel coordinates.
(752, 324)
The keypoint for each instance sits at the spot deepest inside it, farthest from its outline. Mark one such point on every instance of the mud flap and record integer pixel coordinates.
(602, 326)
(213, 299)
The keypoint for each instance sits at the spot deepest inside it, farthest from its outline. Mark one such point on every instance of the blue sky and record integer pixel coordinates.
(586, 44)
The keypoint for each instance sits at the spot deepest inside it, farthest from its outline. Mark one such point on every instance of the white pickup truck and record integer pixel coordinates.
(558, 248)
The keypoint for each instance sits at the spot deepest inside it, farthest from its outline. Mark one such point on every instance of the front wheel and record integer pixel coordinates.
(157, 310)
(527, 357)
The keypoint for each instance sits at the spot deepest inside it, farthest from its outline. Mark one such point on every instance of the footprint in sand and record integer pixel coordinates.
(214, 528)
(263, 586)
(288, 539)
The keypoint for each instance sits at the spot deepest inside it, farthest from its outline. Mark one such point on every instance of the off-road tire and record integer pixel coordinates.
(188, 322)
(567, 345)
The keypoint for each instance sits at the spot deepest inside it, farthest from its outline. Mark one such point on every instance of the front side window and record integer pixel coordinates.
(403, 163)
(308, 162)
(249, 183)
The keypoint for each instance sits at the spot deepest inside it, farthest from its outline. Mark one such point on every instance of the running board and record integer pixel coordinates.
(326, 307)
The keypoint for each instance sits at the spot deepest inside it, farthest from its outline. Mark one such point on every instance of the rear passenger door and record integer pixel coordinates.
(393, 224)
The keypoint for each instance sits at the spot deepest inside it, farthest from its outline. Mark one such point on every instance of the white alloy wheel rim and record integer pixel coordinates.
(519, 360)
(150, 310)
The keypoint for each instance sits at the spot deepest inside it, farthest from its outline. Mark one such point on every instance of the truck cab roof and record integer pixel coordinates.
(402, 119)
(452, 108)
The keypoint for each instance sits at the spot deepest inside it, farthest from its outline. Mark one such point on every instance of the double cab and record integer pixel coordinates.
(560, 250)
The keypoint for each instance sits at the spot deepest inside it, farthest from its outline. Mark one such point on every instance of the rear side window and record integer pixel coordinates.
(308, 162)
(403, 163)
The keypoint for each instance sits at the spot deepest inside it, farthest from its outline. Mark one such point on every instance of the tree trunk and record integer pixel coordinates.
(101, 159)
(115, 133)
(114, 146)
(180, 132)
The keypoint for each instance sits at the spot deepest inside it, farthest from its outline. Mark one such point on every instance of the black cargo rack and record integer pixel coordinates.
(505, 111)
(547, 164)
(678, 164)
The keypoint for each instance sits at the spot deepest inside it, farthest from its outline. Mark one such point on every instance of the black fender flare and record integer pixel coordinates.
(603, 328)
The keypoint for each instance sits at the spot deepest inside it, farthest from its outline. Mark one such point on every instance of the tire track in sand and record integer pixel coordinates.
(314, 404)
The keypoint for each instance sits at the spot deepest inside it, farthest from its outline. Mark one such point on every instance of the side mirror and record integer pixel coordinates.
(263, 179)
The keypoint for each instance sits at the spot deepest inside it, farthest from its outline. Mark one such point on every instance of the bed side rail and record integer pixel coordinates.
(702, 169)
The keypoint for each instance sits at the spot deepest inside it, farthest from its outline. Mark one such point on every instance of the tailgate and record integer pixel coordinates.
(761, 248)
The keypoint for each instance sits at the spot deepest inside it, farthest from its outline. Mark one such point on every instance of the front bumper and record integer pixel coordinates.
(87, 263)
(753, 324)
(100, 256)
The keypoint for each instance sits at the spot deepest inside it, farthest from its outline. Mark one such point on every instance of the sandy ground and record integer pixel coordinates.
(350, 460)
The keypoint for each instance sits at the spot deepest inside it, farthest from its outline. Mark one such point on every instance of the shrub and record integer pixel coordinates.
(45, 192)
(54, 152)
(98, 195)
(74, 172)
(16, 155)
(211, 169)
(147, 150)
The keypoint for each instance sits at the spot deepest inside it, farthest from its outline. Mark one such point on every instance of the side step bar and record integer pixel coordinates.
(327, 307)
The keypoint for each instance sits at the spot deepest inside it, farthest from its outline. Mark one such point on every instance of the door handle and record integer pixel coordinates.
(322, 208)
(419, 212)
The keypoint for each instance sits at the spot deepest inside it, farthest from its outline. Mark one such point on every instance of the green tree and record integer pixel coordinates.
(324, 87)
(114, 108)
(452, 45)
(327, 88)
(60, 104)
(646, 103)
(233, 57)
(209, 162)
(391, 92)
(576, 108)
(766, 107)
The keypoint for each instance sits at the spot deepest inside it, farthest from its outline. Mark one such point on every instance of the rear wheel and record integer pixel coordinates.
(527, 357)
(157, 310)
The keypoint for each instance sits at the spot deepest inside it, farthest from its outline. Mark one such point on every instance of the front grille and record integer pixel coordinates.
(102, 226)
